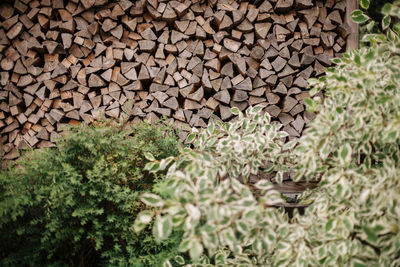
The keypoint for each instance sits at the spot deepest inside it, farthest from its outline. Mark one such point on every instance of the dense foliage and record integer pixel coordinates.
(374, 9)
(203, 196)
(75, 204)
(352, 148)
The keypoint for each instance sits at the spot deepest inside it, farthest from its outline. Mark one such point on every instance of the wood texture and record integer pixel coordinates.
(353, 38)
(66, 62)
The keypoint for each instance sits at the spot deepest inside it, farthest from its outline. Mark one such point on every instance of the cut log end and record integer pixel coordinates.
(66, 62)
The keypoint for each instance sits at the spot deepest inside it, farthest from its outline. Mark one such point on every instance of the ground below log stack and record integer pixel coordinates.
(64, 62)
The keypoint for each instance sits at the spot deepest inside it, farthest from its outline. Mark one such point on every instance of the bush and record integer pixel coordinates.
(352, 148)
(76, 204)
(205, 199)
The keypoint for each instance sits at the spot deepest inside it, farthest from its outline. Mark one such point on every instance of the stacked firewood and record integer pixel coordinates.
(67, 61)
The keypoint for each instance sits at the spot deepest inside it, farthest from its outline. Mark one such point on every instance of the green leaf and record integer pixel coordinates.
(162, 227)
(357, 60)
(289, 145)
(152, 200)
(196, 250)
(264, 185)
(308, 101)
(149, 156)
(279, 177)
(185, 245)
(386, 22)
(190, 138)
(152, 166)
(251, 127)
(179, 260)
(235, 111)
(267, 118)
(321, 252)
(371, 236)
(364, 4)
(396, 28)
(329, 225)
(369, 37)
(358, 263)
(345, 153)
(383, 99)
(193, 211)
(370, 25)
(370, 55)
(348, 224)
(228, 236)
(358, 16)
(282, 134)
(257, 109)
(220, 259)
(211, 127)
(165, 162)
(313, 81)
(386, 9)
(391, 35)
(145, 216)
(314, 91)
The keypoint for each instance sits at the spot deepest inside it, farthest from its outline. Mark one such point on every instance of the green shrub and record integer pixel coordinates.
(76, 204)
(203, 195)
(352, 148)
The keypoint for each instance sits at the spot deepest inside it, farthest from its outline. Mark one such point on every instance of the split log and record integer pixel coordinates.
(63, 62)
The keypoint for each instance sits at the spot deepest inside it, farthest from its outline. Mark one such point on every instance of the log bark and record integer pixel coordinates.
(66, 62)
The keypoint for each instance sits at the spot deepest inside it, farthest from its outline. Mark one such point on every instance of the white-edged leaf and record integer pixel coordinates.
(153, 166)
(137, 227)
(387, 8)
(370, 25)
(267, 117)
(358, 16)
(145, 216)
(256, 109)
(162, 227)
(190, 138)
(211, 127)
(193, 211)
(282, 134)
(345, 152)
(264, 185)
(386, 22)
(235, 111)
(185, 245)
(279, 177)
(149, 156)
(289, 145)
(152, 200)
(179, 259)
(196, 250)
(364, 4)
(165, 162)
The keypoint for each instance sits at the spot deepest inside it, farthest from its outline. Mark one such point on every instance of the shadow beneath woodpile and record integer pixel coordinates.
(289, 189)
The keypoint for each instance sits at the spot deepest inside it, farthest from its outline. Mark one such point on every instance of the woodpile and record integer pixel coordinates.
(67, 61)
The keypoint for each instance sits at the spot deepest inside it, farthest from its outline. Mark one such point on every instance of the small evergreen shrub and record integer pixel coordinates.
(75, 204)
